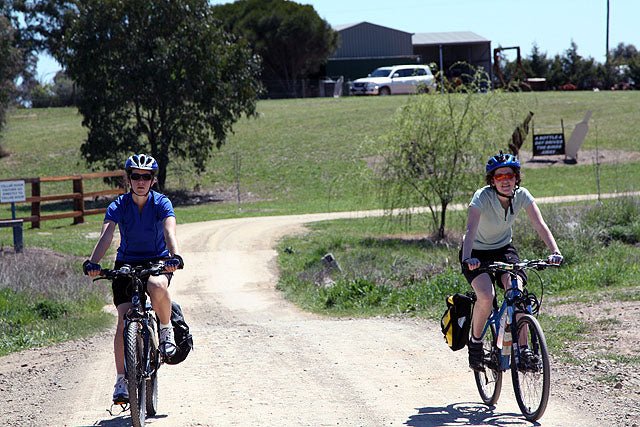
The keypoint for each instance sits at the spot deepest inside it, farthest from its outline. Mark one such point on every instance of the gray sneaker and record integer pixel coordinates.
(120, 392)
(167, 342)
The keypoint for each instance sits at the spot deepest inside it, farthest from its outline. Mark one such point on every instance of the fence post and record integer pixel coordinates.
(78, 202)
(17, 237)
(35, 206)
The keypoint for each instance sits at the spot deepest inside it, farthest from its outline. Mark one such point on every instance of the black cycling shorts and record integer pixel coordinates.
(122, 288)
(506, 253)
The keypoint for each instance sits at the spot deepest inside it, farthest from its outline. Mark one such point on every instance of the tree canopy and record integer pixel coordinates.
(292, 40)
(156, 76)
(436, 148)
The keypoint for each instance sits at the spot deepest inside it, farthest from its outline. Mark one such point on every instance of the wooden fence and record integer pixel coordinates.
(78, 196)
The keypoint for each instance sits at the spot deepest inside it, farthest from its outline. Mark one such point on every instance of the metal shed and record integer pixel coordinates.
(447, 48)
(365, 46)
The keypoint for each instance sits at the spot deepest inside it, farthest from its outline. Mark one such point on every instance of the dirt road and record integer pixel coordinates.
(260, 361)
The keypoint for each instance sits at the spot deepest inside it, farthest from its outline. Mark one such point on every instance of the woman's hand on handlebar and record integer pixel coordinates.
(472, 263)
(91, 269)
(555, 258)
(174, 263)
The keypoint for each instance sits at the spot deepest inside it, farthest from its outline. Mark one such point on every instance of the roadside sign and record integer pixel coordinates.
(12, 191)
(548, 144)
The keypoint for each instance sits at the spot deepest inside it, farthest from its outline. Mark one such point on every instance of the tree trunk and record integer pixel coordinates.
(163, 162)
(162, 176)
(443, 215)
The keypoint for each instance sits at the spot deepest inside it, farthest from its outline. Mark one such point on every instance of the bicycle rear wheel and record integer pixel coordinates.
(152, 394)
(532, 374)
(489, 381)
(136, 383)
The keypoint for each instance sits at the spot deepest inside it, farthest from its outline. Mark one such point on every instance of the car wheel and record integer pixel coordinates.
(384, 91)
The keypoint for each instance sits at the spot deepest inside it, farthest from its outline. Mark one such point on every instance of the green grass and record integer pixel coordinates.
(310, 155)
(26, 323)
(304, 155)
(560, 332)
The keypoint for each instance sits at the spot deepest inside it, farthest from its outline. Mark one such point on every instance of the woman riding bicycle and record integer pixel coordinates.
(488, 237)
(147, 225)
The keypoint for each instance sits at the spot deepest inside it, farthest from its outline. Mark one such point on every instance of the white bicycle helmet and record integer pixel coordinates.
(141, 161)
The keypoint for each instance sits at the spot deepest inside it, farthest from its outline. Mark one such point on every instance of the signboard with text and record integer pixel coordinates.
(12, 191)
(548, 144)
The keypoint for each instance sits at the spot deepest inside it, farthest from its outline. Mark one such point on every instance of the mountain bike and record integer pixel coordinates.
(141, 354)
(522, 348)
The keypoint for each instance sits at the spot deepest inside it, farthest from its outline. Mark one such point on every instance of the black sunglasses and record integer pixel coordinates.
(144, 176)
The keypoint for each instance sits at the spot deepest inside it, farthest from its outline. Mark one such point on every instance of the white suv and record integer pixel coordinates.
(395, 79)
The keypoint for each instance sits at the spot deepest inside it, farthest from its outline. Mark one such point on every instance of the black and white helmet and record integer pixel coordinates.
(141, 161)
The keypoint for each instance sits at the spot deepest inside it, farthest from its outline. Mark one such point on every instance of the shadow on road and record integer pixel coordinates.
(121, 421)
(465, 414)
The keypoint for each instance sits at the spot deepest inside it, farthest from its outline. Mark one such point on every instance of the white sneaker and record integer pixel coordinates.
(167, 342)
(121, 392)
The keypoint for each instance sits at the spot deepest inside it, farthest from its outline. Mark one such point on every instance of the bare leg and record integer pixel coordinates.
(483, 287)
(118, 340)
(158, 288)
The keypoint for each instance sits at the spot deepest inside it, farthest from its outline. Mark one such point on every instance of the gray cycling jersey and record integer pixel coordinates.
(494, 228)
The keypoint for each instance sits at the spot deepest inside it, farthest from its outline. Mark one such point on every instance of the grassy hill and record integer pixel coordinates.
(310, 155)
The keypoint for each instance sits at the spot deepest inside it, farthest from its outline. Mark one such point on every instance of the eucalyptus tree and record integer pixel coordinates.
(292, 40)
(155, 76)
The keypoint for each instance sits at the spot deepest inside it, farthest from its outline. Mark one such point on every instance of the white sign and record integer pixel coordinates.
(12, 191)
(577, 136)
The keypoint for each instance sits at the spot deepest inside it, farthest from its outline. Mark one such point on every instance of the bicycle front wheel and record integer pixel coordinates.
(489, 381)
(136, 383)
(532, 374)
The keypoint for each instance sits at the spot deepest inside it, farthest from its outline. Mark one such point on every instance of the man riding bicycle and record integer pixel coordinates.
(488, 238)
(147, 225)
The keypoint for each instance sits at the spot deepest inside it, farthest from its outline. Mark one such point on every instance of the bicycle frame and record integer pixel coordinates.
(512, 296)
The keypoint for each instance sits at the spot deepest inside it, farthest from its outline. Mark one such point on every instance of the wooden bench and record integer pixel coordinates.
(16, 224)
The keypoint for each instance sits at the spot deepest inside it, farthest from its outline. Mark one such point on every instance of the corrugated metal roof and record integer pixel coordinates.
(453, 37)
(345, 26)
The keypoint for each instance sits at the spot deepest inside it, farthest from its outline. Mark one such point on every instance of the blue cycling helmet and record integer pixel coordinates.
(141, 161)
(502, 160)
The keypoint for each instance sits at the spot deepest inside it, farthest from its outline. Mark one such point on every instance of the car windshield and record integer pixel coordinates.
(380, 72)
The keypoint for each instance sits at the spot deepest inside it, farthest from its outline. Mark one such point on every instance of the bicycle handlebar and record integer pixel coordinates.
(154, 269)
(536, 264)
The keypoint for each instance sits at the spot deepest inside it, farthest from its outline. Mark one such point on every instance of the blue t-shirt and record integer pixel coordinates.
(494, 228)
(141, 233)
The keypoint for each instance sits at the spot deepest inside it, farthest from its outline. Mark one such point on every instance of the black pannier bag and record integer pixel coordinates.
(184, 340)
(456, 320)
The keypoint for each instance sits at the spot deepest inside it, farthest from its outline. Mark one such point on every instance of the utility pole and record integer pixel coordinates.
(607, 55)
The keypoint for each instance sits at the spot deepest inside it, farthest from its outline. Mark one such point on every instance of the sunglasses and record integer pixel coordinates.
(138, 176)
(504, 176)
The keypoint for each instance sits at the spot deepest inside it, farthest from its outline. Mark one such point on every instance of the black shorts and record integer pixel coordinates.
(122, 288)
(506, 253)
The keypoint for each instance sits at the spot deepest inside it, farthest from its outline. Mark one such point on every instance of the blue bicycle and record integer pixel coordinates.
(522, 348)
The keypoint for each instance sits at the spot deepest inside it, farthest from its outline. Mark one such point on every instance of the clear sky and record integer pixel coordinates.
(551, 24)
